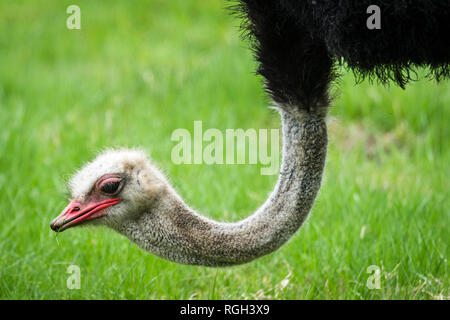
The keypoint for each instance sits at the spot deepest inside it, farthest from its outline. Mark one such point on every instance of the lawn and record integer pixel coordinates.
(134, 73)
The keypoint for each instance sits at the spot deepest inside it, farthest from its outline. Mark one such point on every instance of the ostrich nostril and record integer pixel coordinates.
(75, 209)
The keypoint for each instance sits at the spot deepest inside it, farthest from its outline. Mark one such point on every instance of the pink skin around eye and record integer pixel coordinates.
(76, 212)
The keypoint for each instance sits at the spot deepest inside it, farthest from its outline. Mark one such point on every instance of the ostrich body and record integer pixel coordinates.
(296, 52)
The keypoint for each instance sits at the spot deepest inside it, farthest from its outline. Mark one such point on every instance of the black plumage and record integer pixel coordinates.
(299, 43)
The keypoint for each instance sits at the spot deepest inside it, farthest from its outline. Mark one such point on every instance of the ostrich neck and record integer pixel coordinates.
(174, 231)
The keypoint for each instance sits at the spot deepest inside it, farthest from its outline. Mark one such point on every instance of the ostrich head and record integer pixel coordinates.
(116, 186)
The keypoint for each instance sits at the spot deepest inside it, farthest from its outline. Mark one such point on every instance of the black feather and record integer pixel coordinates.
(297, 67)
(299, 43)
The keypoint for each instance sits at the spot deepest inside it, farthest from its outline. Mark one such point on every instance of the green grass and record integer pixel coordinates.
(134, 73)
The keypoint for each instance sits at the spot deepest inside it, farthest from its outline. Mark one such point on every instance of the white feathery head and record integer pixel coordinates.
(118, 185)
(143, 177)
(143, 183)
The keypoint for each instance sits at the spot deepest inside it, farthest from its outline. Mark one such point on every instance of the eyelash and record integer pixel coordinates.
(110, 187)
(109, 181)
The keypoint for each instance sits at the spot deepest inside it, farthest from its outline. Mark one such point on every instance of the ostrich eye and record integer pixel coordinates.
(110, 186)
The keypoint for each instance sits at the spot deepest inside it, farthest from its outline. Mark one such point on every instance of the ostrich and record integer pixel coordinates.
(297, 44)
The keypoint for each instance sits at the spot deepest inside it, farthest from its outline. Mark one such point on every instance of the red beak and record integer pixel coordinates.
(76, 213)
